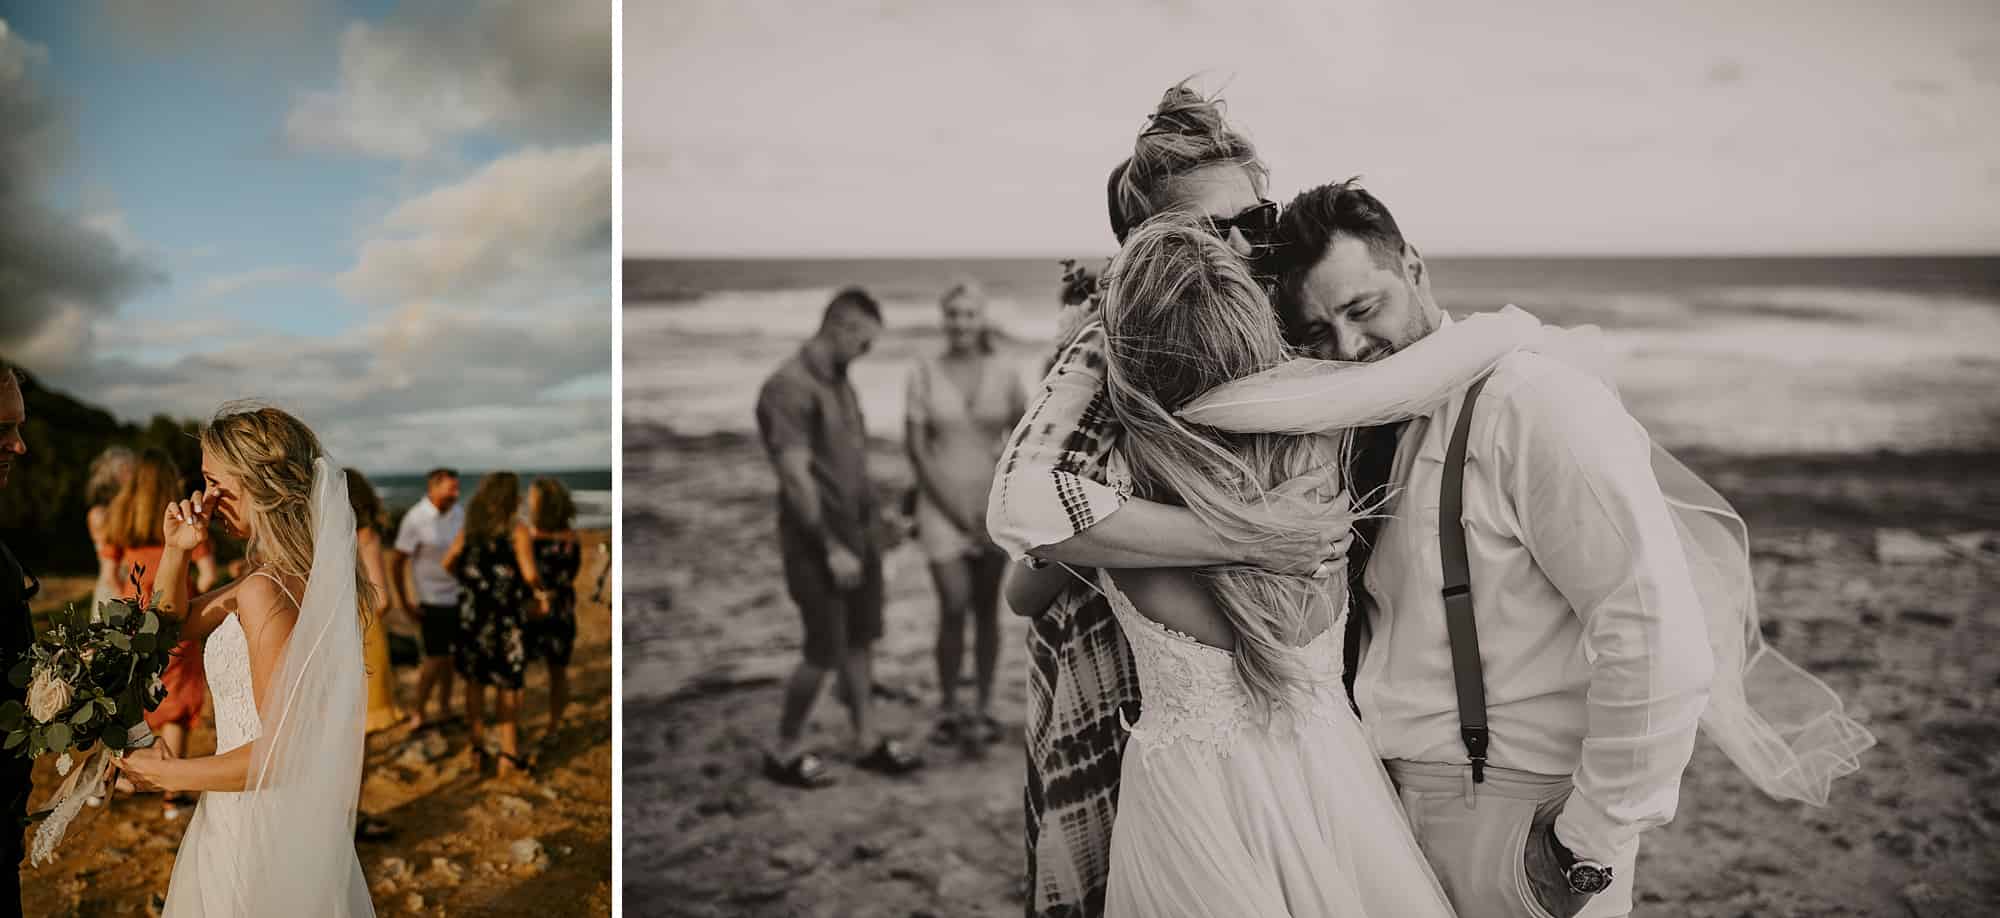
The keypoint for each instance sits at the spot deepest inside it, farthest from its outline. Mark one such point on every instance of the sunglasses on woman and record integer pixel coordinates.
(1258, 224)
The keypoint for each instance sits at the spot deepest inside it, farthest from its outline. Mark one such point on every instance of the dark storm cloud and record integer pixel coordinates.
(56, 271)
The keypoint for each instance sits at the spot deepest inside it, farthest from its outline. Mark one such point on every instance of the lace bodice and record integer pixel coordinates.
(227, 660)
(1189, 691)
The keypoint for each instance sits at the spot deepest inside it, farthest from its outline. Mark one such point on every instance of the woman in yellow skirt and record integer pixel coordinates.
(383, 712)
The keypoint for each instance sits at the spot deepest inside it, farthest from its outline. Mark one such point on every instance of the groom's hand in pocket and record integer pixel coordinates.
(1545, 873)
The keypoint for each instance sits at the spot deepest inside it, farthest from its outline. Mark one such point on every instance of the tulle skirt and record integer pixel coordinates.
(1297, 820)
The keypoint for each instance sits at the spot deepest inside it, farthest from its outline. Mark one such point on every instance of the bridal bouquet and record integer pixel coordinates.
(91, 677)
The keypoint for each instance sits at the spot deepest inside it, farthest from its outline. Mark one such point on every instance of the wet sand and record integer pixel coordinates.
(1897, 622)
(454, 851)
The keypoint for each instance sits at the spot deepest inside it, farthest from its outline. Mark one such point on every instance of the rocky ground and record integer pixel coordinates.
(1874, 572)
(464, 845)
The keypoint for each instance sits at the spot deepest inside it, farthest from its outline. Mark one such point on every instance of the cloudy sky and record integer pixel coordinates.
(1545, 126)
(392, 219)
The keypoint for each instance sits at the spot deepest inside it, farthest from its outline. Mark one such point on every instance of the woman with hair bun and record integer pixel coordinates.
(1055, 500)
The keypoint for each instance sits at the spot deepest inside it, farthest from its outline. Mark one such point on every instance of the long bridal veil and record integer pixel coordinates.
(295, 851)
(1782, 726)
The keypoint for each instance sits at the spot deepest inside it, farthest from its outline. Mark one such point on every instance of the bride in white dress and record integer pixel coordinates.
(1249, 788)
(274, 832)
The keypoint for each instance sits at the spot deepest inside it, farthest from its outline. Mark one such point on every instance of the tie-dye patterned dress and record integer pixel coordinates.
(1052, 484)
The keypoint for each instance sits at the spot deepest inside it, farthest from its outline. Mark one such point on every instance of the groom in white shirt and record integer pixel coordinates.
(1595, 652)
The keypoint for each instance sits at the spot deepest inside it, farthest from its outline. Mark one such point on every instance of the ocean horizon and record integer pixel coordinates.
(590, 489)
(1772, 355)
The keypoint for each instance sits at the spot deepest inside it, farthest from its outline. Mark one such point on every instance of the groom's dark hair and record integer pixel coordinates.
(1318, 215)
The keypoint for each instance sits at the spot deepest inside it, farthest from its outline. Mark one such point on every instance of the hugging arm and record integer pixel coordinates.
(1049, 499)
(1030, 590)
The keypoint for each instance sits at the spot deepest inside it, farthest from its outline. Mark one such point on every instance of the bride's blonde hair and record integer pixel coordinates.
(1184, 315)
(273, 455)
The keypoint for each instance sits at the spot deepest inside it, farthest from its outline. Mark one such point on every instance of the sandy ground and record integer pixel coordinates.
(453, 852)
(1897, 623)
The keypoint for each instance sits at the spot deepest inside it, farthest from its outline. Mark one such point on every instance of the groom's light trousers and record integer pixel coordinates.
(1474, 836)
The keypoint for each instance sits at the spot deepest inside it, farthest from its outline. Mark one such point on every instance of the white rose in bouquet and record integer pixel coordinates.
(48, 696)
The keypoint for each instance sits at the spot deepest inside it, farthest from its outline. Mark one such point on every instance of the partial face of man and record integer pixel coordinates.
(443, 492)
(1352, 307)
(1218, 192)
(13, 414)
(854, 333)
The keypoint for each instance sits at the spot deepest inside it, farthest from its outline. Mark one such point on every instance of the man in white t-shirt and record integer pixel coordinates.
(417, 571)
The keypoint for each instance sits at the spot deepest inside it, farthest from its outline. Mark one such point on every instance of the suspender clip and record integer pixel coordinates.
(1475, 746)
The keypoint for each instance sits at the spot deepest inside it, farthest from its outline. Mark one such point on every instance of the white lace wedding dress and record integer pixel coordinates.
(206, 872)
(1218, 815)
(285, 844)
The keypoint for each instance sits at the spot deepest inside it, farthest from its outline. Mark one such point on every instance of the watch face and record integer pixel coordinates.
(1589, 879)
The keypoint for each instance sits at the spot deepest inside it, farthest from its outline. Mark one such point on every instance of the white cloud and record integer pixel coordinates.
(524, 223)
(409, 87)
(415, 387)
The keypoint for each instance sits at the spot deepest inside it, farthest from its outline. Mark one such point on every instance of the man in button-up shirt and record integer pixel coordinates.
(1594, 645)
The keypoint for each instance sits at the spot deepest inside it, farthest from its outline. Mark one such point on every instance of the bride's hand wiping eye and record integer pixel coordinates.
(186, 524)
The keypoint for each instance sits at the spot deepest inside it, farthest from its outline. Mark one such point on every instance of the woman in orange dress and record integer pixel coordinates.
(133, 542)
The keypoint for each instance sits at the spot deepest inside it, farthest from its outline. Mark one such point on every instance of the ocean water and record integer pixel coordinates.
(1751, 355)
(590, 489)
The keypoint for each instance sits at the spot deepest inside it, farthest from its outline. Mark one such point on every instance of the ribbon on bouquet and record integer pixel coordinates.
(84, 782)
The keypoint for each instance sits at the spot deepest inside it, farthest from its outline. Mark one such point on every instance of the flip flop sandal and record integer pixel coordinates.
(890, 758)
(990, 728)
(807, 771)
(950, 730)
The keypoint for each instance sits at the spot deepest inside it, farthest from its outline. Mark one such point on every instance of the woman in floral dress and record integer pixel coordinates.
(492, 649)
(550, 554)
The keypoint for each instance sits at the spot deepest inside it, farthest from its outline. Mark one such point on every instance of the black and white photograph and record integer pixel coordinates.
(1300, 459)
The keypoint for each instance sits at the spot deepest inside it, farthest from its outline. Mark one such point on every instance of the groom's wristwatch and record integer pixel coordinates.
(1585, 877)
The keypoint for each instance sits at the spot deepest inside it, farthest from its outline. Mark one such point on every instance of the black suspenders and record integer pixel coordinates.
(1466, 670)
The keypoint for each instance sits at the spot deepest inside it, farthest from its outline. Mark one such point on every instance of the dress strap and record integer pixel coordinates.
(260, 572)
